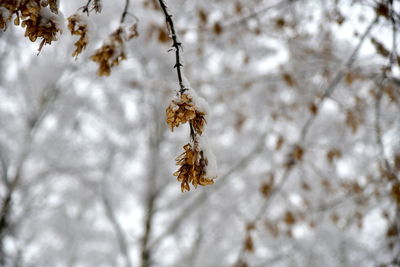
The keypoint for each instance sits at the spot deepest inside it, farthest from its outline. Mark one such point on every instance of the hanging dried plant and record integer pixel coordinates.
(41, 19)
(112, 52)
(196, 167)
(77, 26)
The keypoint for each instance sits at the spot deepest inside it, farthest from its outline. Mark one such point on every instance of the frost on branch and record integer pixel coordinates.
(112, 51)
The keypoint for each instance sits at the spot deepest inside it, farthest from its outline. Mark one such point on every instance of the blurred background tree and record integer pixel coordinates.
(304, 98)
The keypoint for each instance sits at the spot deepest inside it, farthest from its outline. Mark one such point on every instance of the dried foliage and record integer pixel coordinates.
(183, 110)
(193, 162)
(39, 18)
(192, 168)
(78, 27)
(112, 52)
(322, 118)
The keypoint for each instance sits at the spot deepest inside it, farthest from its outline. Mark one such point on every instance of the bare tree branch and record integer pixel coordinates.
(175, 44)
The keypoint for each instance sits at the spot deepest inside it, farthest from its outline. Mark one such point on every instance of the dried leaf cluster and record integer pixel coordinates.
(193, 168)
(183, 110)
(193, 162)
(39, 18)
(43, 19)
(112, 52)
(78, 27)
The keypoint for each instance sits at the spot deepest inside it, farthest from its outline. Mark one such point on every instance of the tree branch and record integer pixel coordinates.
(175, 44)
(125, 12)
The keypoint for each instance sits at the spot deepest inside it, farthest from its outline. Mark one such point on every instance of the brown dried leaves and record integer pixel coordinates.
(78, 27)
(113, 51)
(39, 21)
(183, 110)
(192, 168)
(193, 162)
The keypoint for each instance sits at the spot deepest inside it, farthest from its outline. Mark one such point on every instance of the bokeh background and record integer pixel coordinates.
(305, 126)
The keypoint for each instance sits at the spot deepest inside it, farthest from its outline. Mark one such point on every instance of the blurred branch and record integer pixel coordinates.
(378, 99)
(122, 242)
(337, 79)
(13, 183)
(4, 169)
(145, 252)
(256, 13)
(175, 43)
(156, 136)
(109, 211)
(378, 130)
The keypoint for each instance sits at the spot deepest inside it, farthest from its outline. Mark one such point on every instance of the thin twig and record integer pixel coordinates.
(85, 8)
(125, 12)
(175, 44)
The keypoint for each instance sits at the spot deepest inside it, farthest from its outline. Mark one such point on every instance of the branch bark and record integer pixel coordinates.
(175, 44)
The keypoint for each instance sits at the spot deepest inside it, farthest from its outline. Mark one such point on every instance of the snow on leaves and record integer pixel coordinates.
(41, 19)
(112, 52)
(194, 164)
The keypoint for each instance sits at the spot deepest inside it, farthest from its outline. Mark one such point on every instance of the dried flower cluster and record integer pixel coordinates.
(193, 161)
(40, 18)
(79, 27)
(113, 51)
